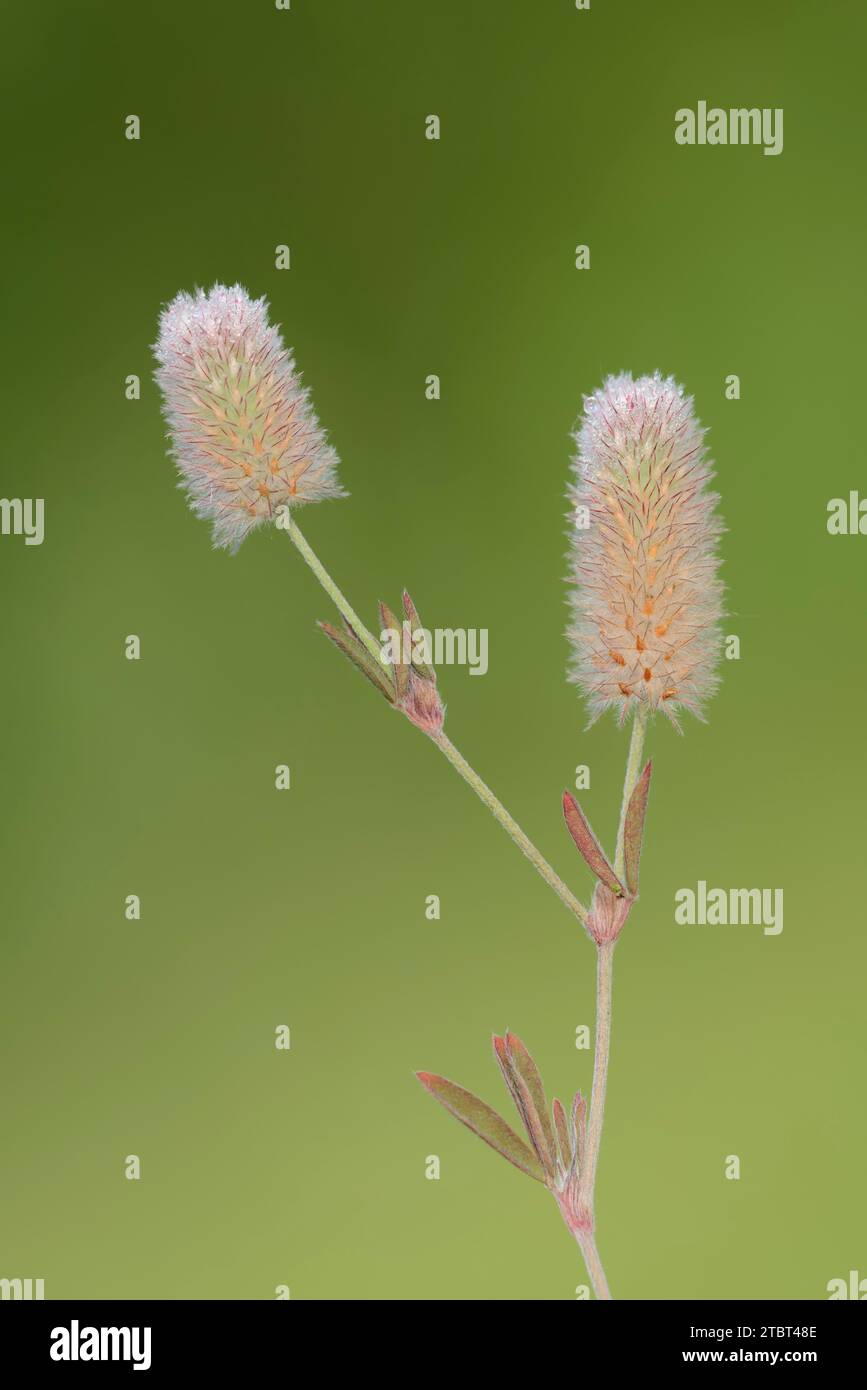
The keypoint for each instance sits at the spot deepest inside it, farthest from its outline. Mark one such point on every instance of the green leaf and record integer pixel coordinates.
(483, 1121)
(411, 611)
(402, 670)
(535, 1106)
(578, 1125)
(633, 828)
(501, 1051)
(392, 624)
(588, 846)
(360, 657)
(416, 625)
(566, 1146)
(389, 621)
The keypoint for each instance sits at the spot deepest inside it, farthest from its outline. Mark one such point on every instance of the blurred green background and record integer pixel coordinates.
(306, 907)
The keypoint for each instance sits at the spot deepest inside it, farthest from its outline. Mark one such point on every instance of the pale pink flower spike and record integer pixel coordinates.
(243, 431)
(646, 598)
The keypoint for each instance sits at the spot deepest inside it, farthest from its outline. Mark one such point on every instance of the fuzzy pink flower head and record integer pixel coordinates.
(244, 434)
(646, 600)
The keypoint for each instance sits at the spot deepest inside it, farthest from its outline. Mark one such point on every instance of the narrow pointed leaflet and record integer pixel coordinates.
(483, 1121)
(588, 846)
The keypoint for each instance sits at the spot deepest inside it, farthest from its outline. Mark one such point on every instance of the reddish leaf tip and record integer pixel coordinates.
(634, 827)
(483, 1121)
(588, 846)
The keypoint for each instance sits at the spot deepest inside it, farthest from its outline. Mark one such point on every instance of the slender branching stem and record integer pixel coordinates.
(602, 1050)
(605, 952)
(336, 594)
(633, 770)
(456, 759)
(511, 827)
(587, 1242)
(604, 981)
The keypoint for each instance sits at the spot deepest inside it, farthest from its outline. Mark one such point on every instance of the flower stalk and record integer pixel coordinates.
(511, 827)
(338, 598)
(440, 738)
(605, 984)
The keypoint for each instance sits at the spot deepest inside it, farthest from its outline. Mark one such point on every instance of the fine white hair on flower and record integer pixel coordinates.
(645, 596)
(244, 434)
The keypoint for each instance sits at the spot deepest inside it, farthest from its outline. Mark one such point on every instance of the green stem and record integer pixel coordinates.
(633, 768)
(605, 956)
(443, 743)
(604, 989)
(587, 1242)
(604, 984)
(511, 827)
(332, 590)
